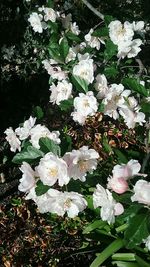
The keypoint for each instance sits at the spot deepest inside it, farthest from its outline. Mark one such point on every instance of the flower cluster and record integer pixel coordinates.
(32, 132)
(122, 36)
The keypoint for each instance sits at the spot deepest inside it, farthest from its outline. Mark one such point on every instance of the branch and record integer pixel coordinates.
(141, 67)
(94, 10)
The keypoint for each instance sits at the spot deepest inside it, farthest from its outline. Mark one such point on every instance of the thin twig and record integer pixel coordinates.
(94, 10)
(141, 67)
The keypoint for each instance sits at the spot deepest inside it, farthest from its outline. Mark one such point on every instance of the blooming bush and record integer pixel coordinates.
(89, 84)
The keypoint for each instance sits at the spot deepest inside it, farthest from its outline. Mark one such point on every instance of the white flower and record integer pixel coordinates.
(129, 48)
(147, 242)
(54, 71)
(101, 86)
(114, 100)
(74, 28)
(58, 202)
(28, 178)
(85, 105)
(49, 14)
(42, 131)
(35, 21)
(119, 32)
(24, 132)
(80, 162)
(62, 91)
(130, 113)
(12, 139)
(93, 41)
(52, 169)
(141, 192)
(85, 70)
(71, 54)
(138, 26)
(109, 207)
(128, 170)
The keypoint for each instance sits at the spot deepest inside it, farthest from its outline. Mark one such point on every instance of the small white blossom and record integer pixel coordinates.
(12, 139)
(85, 105)
(109, 207)
(130, 113)
(93, 41)
(141, 192)
(24, 132)
(62, 91)
(71, 54)
(42, 131)
(35, 21)
(114, 100)
(50, 14)
(52, 169)
(147, 242)
(85, 70)
(80, 162)
(101, 86)
(74, 28)
(129, 49)
(54, 71)
(28, 178)
(138, 26)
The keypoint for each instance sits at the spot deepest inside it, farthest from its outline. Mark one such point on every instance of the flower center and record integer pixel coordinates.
(83, 165)
(85, 103)
(53, 172)
(67, 203)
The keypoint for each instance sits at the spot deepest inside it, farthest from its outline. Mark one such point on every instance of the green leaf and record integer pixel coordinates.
(48, 145)
(50, 3)
(92, 226)
(53, 26)
(125, 264)
(30, 155)
(124, 256)
(110, 50)
(137, 230)
(111, 71)
(102, 32)
(134, 85)
(107, 252)
(66, 144)
(121, 157)
(55, 54)
(141, 262)
(107, 147)
(73, 37)
(101, 107)
(108, 19)
(64, 48)
(38, 112)
(145, 107)
(41, 188)
(80, 84)
(66, 105)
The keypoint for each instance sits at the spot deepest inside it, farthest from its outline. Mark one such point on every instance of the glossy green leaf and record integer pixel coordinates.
(102, 32)
(137, 230)
(92, 226)
(110, 50)
(38, 112)
(134, 85)
(73, 37)
(125, 264)
(80, 84)
(107, 252)
(66, 105)
(48, 145)
(30, 155)
(41, 188)
(64, 48)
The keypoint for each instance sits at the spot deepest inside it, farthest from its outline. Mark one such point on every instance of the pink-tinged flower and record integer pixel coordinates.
(28, 178)
(141, 192)
(80, 162)
(118, 185)
(58, 202)
(12, 139)
(52, 169)
(109, 207)
(126, 171)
